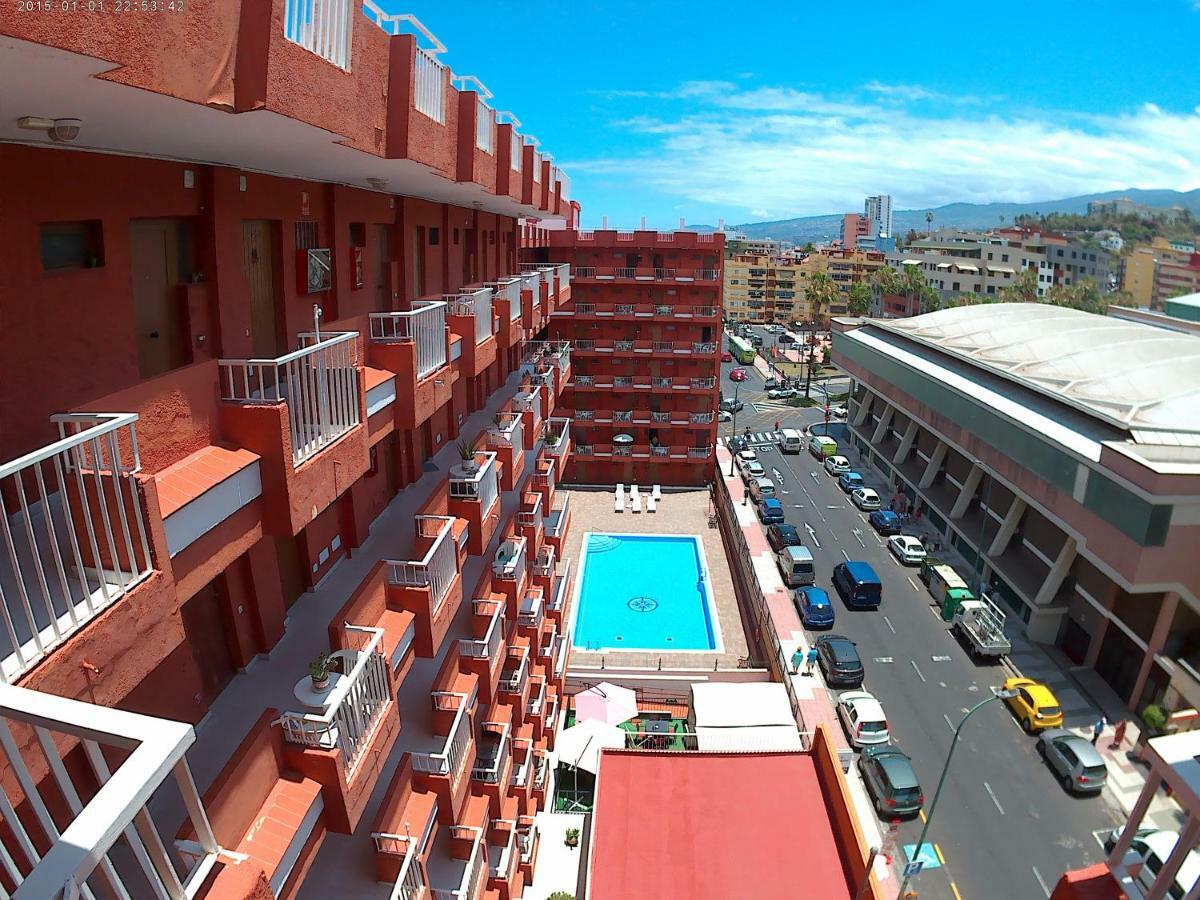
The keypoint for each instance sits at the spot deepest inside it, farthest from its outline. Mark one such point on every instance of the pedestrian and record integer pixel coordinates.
(1098, 728)
(811, 661)
(776, 424)
(797, 659)
(1119, 735)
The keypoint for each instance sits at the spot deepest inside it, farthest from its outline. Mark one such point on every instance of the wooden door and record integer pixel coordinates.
(209, 634)
(258, 263)
(418, 261)
(155, 248)
(470, 245)
(291, 570)
(383, 299)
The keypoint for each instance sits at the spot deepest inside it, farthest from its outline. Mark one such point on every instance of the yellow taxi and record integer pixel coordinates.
(1034, 704)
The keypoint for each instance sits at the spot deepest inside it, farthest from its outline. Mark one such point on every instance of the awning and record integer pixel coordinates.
(963, 267)
(755, 738)
(912, 262)
(1001, 269)
(943, 265)
(580, 745)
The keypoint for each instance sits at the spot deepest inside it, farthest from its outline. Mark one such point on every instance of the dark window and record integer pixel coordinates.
(954, 286)
(306, 235)
(358, 234)
(1060, 253)
(491, 237)
(454, 236)
(434, 236)
(72, 245)
(1004, 257)
(374, 462)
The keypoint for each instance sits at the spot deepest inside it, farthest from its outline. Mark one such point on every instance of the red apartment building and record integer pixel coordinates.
(249, 304)
(644, 326)
(854, 226)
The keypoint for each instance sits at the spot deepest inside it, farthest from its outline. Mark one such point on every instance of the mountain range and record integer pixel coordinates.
(958, 215)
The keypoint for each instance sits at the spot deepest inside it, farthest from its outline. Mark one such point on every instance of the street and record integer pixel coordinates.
(1004, 827)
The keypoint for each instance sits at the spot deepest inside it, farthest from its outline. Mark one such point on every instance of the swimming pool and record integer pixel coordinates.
(644, 592)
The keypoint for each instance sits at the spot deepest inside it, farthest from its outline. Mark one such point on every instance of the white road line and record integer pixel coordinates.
(858, 536)
(847, 555)
(992, 794)
(914, 584)
(1041, 881)
(948, 722)
(889, 624)
(915, 669)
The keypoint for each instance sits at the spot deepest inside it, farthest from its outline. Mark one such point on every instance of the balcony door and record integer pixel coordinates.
(209, 632)
(383, 300)
(418, 261)
(260, 261)
(159, 262)
(470, 259)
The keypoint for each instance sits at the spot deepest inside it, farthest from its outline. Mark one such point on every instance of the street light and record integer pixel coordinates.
(997, 694)
(733, 424)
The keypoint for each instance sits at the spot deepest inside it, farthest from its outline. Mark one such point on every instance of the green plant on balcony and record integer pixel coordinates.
(318, 671)
(552, 436)
(572, 838)
(1154, 717)
(467, 454)
(561, 895)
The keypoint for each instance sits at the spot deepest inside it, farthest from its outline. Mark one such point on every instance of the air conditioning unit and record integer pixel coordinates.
(314, 271)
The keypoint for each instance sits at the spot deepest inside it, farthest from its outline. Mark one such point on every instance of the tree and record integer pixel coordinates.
(1023, 289)
(821, 292)
(1084, 295)
(860, 298)
(887, 280)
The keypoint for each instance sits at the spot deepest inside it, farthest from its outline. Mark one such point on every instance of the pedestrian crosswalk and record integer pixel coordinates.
(771, 405)
(756, 437)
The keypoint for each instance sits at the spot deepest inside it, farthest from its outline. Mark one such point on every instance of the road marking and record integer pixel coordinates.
(812, 534)
(857, 532)
(954, 887)
(921, 813)
(797, 505)
(844, 553)
(1041, 881)
(835, 506)
(884, 659)
(914, 584)
(915, 669)
(889, 624)
(992, 794)
(940, 658)
(938, 851)
(1101, 834)
(785, 493)
(948, 722)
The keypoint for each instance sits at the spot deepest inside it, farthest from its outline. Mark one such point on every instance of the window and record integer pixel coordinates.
(1060, 253)
(454, 236)
(306, 235)
(991, 289)
(358, 234)
(989, 256)
(954, 287)
(1004, 257)
(72, 245)
(434, 236)
(491, 237)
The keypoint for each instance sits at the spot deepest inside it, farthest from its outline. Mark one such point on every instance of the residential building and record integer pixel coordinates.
(1142, 271)
(1110, 240)
(1077, 498)
(228, 418)
(1174, 279)
(1123, 206)
(844, 268)
(644, 326)
(854, 228)
(760, 289)
(740, 245)
(877, 211)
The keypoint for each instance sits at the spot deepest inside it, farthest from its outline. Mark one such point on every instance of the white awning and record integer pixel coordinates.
(746, 739)
(732, 705)
(1001, 269)
(912, 262)
(943, 265)
(963, 267)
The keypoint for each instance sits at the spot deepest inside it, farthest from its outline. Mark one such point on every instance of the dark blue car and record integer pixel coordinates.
(885, 521)
(770, 511)
(814, 607)
(850, 481)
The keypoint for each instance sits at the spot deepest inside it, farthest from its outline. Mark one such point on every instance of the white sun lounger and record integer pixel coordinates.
(657, 492)
(619, 499)
(635, 499)
(651, 504)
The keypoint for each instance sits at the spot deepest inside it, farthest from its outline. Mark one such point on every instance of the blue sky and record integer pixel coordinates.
(690, 109)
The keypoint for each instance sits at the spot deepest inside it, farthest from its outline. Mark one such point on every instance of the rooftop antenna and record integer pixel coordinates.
(604, 223)
(643, 225)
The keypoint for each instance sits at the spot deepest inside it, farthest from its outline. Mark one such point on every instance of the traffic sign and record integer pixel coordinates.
(913, 868)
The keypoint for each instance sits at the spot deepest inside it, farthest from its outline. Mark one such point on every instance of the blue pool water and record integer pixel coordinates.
(644, 592)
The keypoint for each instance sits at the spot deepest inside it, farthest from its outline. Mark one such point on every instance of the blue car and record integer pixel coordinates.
(814, 607)
(885, 521)
(850, 481)
(770, 511)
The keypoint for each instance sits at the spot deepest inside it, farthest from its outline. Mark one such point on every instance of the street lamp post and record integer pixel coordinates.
(733, 425)
(996, 695)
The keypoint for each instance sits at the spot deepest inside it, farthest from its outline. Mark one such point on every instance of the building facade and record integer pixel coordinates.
(1142, 270)
(644, 326)
(234, 517)
(760, 289)
(877, 211)
(844, 268)
(854, 228)
(1076, 511)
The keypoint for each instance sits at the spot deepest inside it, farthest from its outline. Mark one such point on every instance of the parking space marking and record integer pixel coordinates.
(992, 794)
(847, 555)
(915, 669)
(948, 722)
(913, 583)
(889, 624)
(954, 887)
(1040, 880)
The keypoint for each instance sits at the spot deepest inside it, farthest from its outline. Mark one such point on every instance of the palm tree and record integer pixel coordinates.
(860, 299)
(928, 223)
(887, 280)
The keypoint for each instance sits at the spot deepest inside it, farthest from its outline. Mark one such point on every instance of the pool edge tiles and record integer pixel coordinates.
(712, 620)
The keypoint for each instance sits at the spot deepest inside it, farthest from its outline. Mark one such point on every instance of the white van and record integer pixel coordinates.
(1153, 849)
(791, 441)
(796, 566)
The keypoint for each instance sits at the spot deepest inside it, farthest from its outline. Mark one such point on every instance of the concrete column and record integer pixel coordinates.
(864, 409)
(884, 419)
(1058, 573)
(906, 442)
(1134, 822)
(934, 466)
(1158, 637)
(1166, 876)
(1011, 520)
(967, 494)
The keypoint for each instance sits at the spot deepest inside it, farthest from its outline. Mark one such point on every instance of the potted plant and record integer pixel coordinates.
(318, 671)
(572, 839)
(561, 895)
(552, 437)
(467, 454)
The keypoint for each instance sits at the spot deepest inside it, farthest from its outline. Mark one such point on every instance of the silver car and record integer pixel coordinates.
(1077, 763)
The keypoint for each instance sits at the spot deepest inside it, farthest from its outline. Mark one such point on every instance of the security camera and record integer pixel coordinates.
(65, 130)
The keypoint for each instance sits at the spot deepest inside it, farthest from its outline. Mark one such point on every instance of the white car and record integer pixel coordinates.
(906, 548)
(838, 411)
(746, 456)
(724, 416)
(863, 718)
(865, 498)
(836, 465)
(780, 393)
(751, 470)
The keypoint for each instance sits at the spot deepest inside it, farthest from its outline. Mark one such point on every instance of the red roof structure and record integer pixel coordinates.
(695, 826)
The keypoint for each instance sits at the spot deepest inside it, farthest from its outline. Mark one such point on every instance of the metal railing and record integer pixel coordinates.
(410, 881)
(709, 347)
(584, 415)
(703, 383)
(504, 858)
(513, 680)
(701, 418)
(437, 568)
(430, 86)
(323, 27)
(537, 700)
(488, 646)
(488, 768)
(508, 288)
(57, 861)
(319, 383)
(72, 534)
(477, 303)
(424, 325)
(622, 381)
(558, 428)
(585, 380)
(361, 697)
(557, 520)
(558, 596)
(510, 559)
(699, 452)
(483, 485)
(659, 451)
(531, 612)
(485, 125)
(507, 431)
(583, 450)
(515, 151)
(563, 271)
(451, 759)
(473, 875)
(543, 565)
(585, 271)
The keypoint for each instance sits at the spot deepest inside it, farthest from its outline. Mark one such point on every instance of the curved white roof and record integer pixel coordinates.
(1136, 376)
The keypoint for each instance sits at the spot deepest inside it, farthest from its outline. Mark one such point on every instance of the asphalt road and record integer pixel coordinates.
(1004, 826)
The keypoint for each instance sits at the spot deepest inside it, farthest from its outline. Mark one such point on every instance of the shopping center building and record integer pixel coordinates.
(1059, 452)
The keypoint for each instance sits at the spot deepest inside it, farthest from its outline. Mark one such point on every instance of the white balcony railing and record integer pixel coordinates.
(483, 484)
(506, 431)
(530, 613)
(485, 125)
(543, 566)
(563, 271)
(513, 680)
(72, 534)
(452, 756)
(491, 756)
(437, 568)
(66, 850)
(430, 83)
(510, 559)
(356, 705)
(515, 151)
(557, 435)
(537, 699)
(510, 289)
(472, 882)
(424, 326)
(529, 400)
(501, 866)
(323, 27)
(319, 383)
(477, 303)
(410, 882)
(527, 841)
(488, 646)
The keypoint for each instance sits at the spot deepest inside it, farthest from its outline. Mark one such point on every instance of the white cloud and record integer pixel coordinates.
(775, 152)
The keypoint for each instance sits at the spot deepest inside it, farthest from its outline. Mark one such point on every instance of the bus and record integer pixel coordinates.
(741, 350)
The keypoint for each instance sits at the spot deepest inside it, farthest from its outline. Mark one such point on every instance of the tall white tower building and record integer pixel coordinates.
(878, 213)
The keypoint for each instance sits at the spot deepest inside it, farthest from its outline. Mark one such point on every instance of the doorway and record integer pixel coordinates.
(259, 254)
(383, 301)
(291, 570)
(470, 245)
(418, 266)
(159, 261)
(205, 622)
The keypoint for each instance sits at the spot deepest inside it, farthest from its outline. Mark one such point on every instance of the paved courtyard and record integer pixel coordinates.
(678, 513)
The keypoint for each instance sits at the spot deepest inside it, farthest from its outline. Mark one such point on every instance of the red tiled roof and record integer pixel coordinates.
(181, 483)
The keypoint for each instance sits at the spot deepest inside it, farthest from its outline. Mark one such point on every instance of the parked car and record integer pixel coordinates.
(838, 658)
(761, 489)
(1078, 764)
(726, 356)
(724, 416)
(890, 780)
(753, 469)
(731, 405)
(772, 383)
(796, 565)
(746, 454)
(1148, 852)
(863, 718)
(850, 482)
(770, 510)
(1034, 704)
(780, 536)
(884, 521)
(814, 607)
(780, 393)
(737, 444)
(785, 339)
(858, 584)
(837, 465)
(906, 548)
(737, 375)
(838, 411)
(865, 498)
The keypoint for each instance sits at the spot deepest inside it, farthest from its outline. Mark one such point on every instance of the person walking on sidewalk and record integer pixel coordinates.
(797, 659)
(811, 661)
(1098, 729)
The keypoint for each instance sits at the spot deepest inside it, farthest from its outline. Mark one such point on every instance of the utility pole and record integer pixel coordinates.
(733, 433)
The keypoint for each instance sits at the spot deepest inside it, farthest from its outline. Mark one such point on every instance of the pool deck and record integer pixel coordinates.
(678, 513)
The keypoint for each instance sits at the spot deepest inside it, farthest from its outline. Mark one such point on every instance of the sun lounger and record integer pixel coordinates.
(657, 492)
(636, 503)
(651, 504)
(619, 499)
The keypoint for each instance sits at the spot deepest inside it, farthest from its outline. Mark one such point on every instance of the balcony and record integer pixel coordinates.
(493, 753)
(475, 304)
(528, 402)
(357, 701)
(644, 311)
(62, 570)
(556, 521)
(437, 567)
(319, 383)
(558, 596)
(144, 751)
(557, 436)
(527, 843)
(476, 480)
(537, 696)
(543, 566)
(451, 756)
(488, 646)
(410, 882)
(514, 679)
(505, 855)
(556, 353)
(509, 563)
(660, 273)
(471, 881)
(424, 327)
(531, 612)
